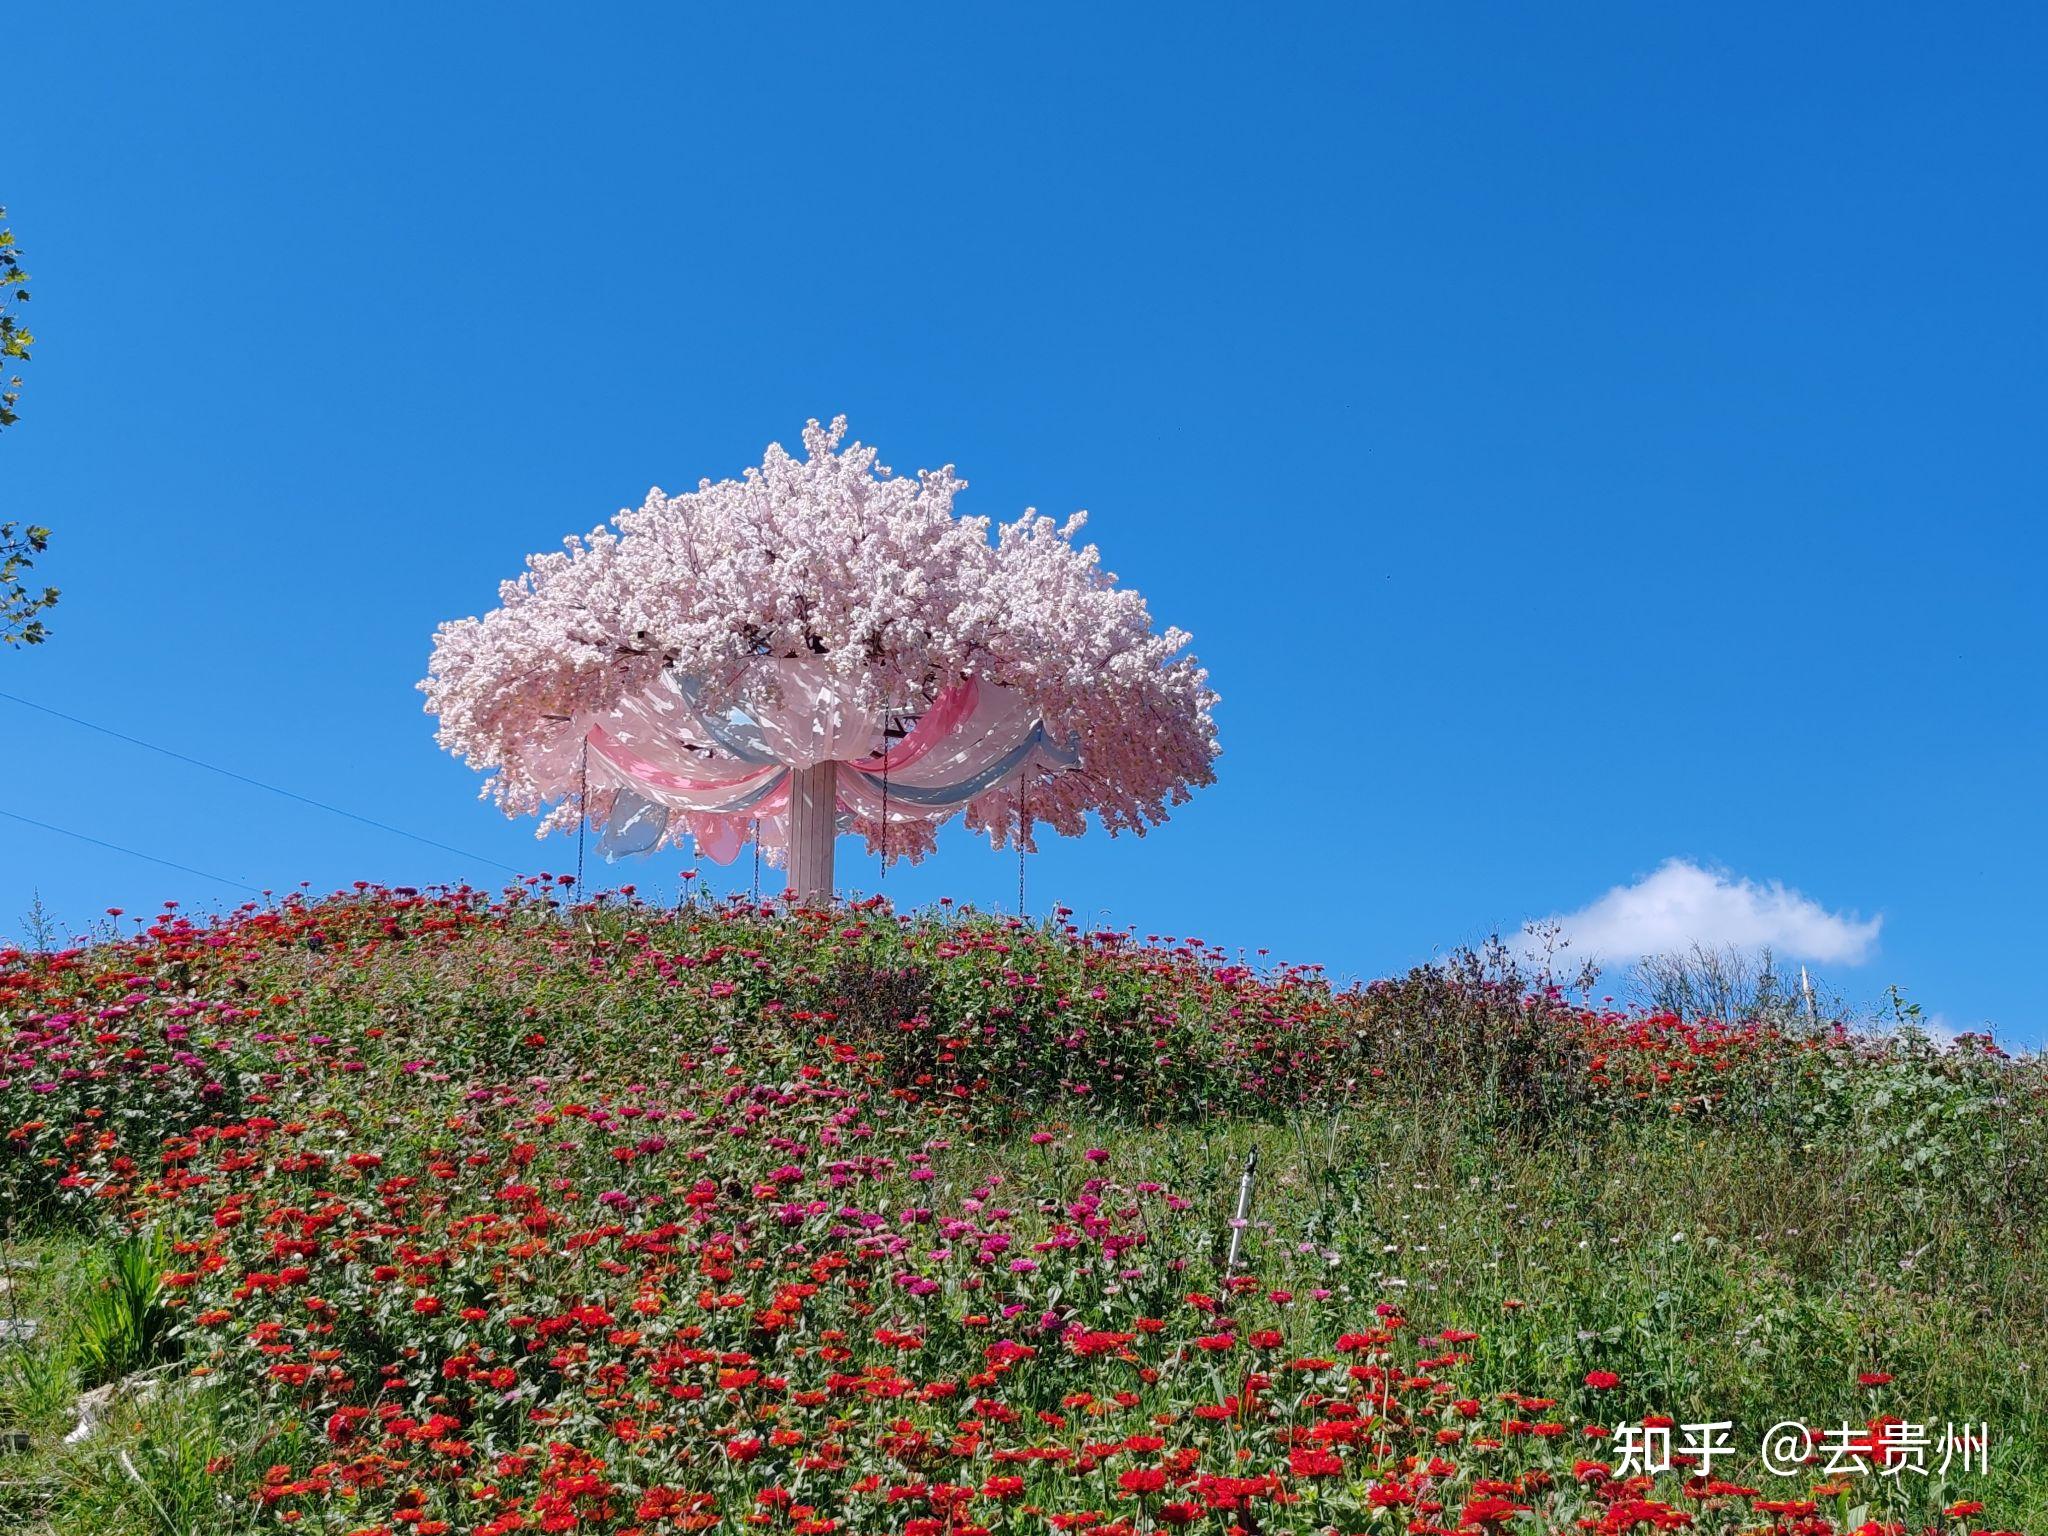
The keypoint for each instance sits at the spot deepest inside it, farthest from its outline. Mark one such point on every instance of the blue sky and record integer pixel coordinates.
(1578, 438)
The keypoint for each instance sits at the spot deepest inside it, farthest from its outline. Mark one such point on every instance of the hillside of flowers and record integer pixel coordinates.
(403, 1214)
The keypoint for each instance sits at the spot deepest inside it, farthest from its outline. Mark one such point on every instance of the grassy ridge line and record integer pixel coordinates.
(1731, 1221)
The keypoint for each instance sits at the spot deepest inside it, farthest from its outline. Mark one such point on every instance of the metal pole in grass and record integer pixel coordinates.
(1244, 1207)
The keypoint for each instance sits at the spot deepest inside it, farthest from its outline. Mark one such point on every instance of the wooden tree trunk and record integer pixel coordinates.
(813, 814)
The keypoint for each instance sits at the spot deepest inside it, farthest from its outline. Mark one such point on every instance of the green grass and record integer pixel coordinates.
(1737, 1247)
(143, 1473)
(1722, 1274)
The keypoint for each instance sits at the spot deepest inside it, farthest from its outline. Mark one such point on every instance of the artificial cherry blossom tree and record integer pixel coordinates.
(822, 646)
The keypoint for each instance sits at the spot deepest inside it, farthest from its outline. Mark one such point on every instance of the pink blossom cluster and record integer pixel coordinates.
(831, 556)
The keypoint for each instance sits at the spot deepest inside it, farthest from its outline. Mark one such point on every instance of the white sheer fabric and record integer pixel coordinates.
(662, 766)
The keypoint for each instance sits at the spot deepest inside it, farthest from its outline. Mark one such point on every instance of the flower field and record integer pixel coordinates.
(408, 1213)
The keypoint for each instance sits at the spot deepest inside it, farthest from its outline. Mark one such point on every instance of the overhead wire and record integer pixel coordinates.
(136, 853)
(243, 778)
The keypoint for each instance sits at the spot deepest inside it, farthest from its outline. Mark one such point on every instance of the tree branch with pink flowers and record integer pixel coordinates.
(823, 646)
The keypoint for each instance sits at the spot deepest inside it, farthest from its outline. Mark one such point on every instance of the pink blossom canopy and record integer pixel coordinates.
(664, 674)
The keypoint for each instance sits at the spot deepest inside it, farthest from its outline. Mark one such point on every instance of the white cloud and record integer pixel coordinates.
(1682, 904)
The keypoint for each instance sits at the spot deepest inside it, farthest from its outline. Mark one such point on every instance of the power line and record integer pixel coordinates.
(133, 852)
(243, 778)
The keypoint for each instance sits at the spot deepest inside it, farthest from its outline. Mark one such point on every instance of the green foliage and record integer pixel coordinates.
(1467, 1033)
(38, 1376)
(19, 602)
(153, 1475)
(122, 1323)
(15, 338)
(37, 1385)
(20, 543)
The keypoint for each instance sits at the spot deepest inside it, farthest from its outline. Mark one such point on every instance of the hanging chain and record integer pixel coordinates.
(582, 813)
(885, 793)
(1023, 831)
